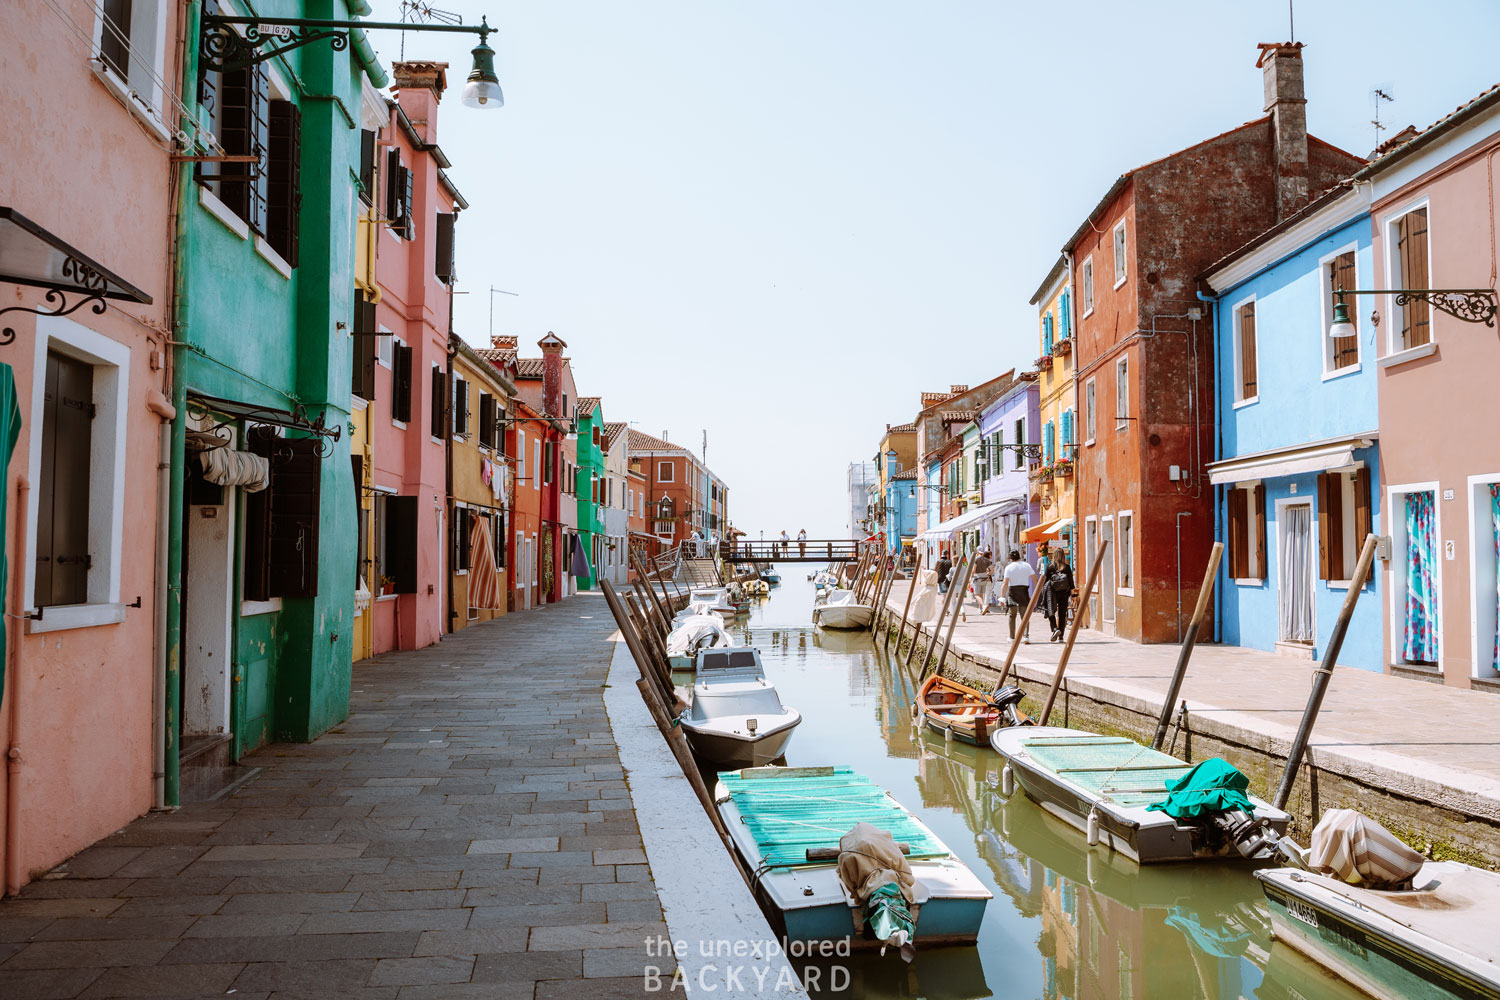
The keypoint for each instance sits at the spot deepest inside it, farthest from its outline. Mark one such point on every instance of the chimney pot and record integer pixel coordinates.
(503, 343)
(1281, 65)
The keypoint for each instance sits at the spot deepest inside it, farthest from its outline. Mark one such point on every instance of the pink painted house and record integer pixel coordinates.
(1433, 213)
(403, 371)
(85, 209)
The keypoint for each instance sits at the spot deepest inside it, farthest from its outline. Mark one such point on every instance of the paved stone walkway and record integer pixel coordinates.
(466, 833)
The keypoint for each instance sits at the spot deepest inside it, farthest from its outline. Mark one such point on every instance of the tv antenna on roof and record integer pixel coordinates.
(420, 12)
(1378, 95)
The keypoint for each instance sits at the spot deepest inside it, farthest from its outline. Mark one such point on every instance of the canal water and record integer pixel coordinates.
(1065, 921)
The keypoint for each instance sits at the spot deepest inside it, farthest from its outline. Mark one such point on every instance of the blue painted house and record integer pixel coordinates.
(901, 511)
(1296, 471)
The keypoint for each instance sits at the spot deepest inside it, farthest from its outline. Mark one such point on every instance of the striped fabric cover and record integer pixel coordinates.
(1356, 849)
(484, 578)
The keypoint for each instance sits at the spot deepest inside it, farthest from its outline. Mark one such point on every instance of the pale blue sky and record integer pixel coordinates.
(781, 221)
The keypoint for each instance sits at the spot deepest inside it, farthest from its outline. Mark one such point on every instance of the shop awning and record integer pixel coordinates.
(969, 518)
(30, 255)
(1047, 531)
(1316, 456)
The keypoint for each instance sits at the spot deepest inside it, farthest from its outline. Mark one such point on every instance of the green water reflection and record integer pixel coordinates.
(1065, 922)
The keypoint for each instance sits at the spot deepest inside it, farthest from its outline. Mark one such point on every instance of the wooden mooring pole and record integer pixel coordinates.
(901, 629)
(1188, 641)
(1083, 607)
(938, 625)
(1021, 633)
(948, 639)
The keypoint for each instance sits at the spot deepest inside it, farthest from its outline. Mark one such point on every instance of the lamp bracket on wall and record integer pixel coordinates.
(230, 43)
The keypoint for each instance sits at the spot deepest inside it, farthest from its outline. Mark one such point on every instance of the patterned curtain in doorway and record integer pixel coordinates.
(1495, 520)
(1420, 640)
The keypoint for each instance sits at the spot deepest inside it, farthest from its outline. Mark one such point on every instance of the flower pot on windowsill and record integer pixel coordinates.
(1063, 469)
(1062, 347)
(1044, 362)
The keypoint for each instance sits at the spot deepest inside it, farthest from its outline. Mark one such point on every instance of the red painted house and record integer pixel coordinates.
(1143, 361)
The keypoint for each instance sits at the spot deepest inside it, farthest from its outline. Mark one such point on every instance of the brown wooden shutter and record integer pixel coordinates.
(1258, 497)
(486, 420)
(256, 559)
(461, 537)
(401, 543)
(401, 376)
(1341, 276)
(1249, 385)
(366, 345)
(235, 93)
(284, 185)
(444, 246)
(1363, 522)
(1328, 488)
(461, 406)
(393, 190)
(367, 166)
(1416, 316)
(439, 410)
(1238, 552)
(296, 489)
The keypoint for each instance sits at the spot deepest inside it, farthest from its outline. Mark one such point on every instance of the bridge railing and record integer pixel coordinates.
(811, 550)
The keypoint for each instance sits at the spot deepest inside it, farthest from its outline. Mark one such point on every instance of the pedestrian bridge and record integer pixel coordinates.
(818, 550)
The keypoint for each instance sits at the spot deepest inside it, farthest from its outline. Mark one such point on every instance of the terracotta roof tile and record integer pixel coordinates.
(902, 429)
(529, 367)
(496, 355)
(641, 441)
(950, 415)
(905, 474)
(612, 431)
(587, 405)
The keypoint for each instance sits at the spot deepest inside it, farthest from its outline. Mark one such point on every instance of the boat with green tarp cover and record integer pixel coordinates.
(1107, 786)
(786, 824)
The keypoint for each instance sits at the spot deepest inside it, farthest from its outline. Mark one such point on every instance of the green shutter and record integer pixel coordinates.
(1064, 311)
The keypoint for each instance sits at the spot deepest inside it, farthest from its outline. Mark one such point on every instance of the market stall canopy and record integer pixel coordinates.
(1047, 531)
(1315, 456)
(972, 517)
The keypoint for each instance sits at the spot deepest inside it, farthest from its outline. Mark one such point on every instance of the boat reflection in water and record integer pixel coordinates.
(1065, 922)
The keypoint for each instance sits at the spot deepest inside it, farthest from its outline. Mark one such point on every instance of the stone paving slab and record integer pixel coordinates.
(467, 832)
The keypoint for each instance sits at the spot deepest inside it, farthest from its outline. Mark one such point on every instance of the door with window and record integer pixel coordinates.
(1107, 571)
(1090, 547)
(1294, 584)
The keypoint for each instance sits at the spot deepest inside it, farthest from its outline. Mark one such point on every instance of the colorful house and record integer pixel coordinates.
(676, 482)
(1297, 471)
(546, 386)
(1143, 360)
(1434, 199)
(83, 400)
(897, 453)
(1010, 503)
(1057, 412)
(590, 483)
(480, 473)
(617, 489)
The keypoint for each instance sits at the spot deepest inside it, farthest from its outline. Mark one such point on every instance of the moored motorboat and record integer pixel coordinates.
(968, 714)
(1426, 936)
(787, 825)
(736, 718)
(840, 610)
(1105, 786)
(693, 633)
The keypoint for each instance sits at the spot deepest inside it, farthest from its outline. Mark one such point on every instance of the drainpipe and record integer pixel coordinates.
(1213, 367)
(1073, 325)
(14, 759)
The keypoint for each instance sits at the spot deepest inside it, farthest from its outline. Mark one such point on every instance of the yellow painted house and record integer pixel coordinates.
(481, 484)
(359, 451)
(1058, 409)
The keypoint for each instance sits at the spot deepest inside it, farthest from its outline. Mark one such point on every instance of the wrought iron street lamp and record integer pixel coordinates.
(1472, 305)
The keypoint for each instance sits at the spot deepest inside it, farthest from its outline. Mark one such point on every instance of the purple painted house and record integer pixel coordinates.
(1006, 422)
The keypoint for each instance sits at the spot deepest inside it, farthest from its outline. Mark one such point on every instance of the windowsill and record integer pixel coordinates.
(1410, 354)
(222, 212)
(386, 597)
(461, 572)
(1120, 281)
(1344, 585)
(272, 257)
(1246, 402)
(1089, 442)
(72, 616)
(358, 402)
(1249, 581)
(249, 608)
(1353, 369)
(1086, 314)
(1122, 426)
(400, 425)
(144, 113)
(1125, 591)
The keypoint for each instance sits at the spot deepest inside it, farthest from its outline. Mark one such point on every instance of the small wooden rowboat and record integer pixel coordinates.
(968, 713)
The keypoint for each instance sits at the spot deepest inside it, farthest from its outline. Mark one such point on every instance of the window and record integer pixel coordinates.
(1020, 443)
(1245, 509)
(367, 161)
(520, 454)
(1088, 285)
(443, 243)
(398, 196)
(400, 543)
(487, 423)
(1246, 387)
(437, 419)
(1119, 242)
(1047, 333)
(365, 346)
(384, 346)
(536, 464)
(1343, 521)
(401, 384)
(1067, 430)
(280, 557)
(1049, 451)
(462, 517)
(1409, 260)
(1341, 352)
(497, 535)
(1122, 393)
(1090, 415)
(382, 516)
(1414, 519)
(460, 407)
(664, 472)
(549, 451)
(130, 43)
(63, 556)
(1125, 552)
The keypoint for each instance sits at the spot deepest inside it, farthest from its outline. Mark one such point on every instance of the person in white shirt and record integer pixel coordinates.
(802, 543)
(784, 539)
(1018, 578)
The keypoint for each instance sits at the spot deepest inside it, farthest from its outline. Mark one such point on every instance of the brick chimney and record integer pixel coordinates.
(500, 343)
(1281, 63)
(419, 86)
(552, 364)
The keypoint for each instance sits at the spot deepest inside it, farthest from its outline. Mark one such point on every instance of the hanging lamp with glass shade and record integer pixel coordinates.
(482, 90)
(1341, 326)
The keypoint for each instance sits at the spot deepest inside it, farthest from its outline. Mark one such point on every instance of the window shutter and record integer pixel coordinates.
(367, 166)
(1238, 554)
(296, 486)
(1259, 497)
(401, 376)
(1327, 524)
(393, 187)
(1248, 374)
(235, 135)
(461, 406)
(1362, 519)
(1047, 334)
(461, 537)
(366, 344)
(444, 246)
(401, 542)
(1067, 427)
(408, 230)
(1064, 315)
(439, 390)
(284, 185)
(486, 419)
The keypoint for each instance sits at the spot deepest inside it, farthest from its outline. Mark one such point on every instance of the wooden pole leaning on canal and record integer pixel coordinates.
(651, 643)
(872, 585)
(1189, 639)
(948, 639)
(644, 658)
(937, 626)
(640, 570)
(1083, 607)
(883, 595)
(1324, 673)
(901, 629)
(1021, 633)
(658, 628)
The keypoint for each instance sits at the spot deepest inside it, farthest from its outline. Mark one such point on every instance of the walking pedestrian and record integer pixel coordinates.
(802, 543)
(1018, 578)
(784, 539)
(984, 582)
(944, 567)
(1059, 585)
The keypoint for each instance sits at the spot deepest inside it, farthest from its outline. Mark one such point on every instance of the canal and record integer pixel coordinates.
(1065, 922)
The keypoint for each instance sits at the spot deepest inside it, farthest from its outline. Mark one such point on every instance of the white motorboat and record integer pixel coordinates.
(736, 718)
(694, 633)
(839, 610)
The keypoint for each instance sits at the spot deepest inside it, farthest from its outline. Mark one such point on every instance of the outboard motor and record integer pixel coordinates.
(1008, 701)
(1250, 835)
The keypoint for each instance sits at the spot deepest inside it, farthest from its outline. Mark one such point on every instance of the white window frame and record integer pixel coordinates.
(141, 90)
(665, 472)
(1118, 245)
(1086, 285)
(1481, 561)
(1236, 354)
(108, 463)
(1090, 410)
(536, 469)
(384, 346)
(1258, 577)
(1325, 286)
(1395, 355)
(1122, 394)
(378, 518)
(1395, 522)
(1124, 555)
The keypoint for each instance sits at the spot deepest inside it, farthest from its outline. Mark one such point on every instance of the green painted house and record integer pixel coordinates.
(591, 479)
(262, 528)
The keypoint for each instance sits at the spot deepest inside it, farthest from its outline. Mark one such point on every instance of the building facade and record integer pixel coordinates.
(617, 513)
(1005, 425)
(1057, 414)
(479, 472)
(591, 486)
